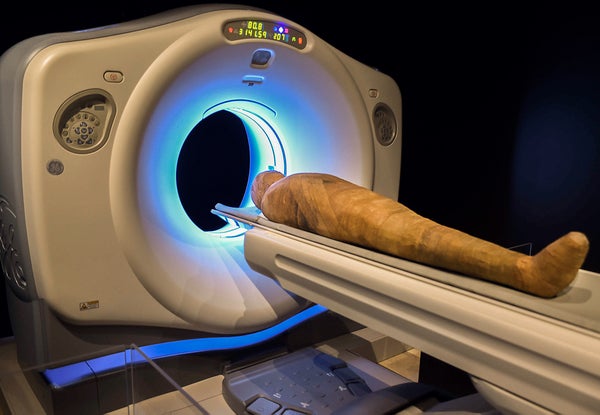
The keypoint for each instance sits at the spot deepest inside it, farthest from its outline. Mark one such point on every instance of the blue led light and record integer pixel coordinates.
(73, 373)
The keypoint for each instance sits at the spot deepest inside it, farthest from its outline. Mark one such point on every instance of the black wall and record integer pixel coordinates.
(501, 128)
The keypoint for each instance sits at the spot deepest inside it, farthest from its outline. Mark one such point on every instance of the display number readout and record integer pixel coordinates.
(264, 30)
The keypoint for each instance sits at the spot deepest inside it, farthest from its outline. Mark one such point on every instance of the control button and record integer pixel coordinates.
(114, 77)
(261, 57)
(329, 362)
(358, 388)
(293, 412)
(252, 80)
(263, 406)
(346, 375)
(385, 124)
(373, 93)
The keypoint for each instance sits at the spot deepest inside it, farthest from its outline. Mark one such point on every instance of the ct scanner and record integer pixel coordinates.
(102, 239)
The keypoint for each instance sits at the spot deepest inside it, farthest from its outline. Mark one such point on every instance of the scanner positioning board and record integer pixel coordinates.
(525, 354)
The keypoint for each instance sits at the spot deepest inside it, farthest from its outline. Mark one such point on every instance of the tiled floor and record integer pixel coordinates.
(20, 400)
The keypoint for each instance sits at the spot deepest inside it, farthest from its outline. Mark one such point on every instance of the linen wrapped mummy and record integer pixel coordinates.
(338, 209)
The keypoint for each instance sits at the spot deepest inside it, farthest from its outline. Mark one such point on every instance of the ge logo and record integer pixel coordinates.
(9, 256)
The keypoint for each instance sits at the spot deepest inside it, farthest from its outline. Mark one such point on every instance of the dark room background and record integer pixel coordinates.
(501, 103)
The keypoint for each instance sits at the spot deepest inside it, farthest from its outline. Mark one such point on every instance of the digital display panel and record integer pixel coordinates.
(264, 30)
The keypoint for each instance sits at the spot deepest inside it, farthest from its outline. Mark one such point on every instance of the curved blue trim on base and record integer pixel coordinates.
(76, 372)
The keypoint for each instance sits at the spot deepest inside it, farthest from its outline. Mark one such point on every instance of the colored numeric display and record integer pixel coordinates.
(264, 30)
